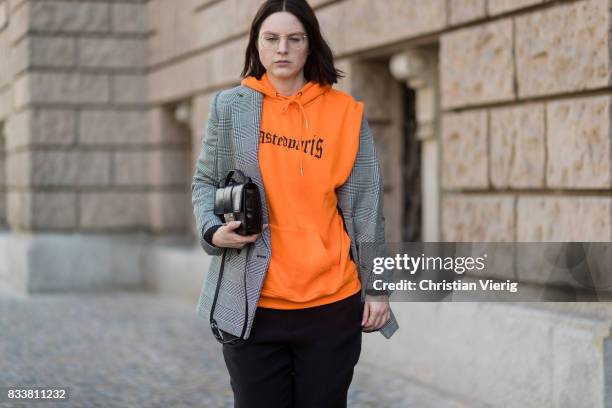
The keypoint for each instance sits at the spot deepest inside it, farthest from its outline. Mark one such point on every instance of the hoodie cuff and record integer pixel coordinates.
(208, 235)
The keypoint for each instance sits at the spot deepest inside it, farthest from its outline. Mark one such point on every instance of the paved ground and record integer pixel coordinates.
(132, 349)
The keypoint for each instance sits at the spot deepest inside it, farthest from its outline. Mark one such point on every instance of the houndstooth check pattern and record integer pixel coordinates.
(231, 141)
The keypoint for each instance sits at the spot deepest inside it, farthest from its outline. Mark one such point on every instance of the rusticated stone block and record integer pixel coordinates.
(129, 18)
(110, 210)
(111, 52)
(39, 127)
(51, 51)
(462, 11)
(106, 127)
(47, 87)
(564, 48)
(503, 6)
(381, 22)
(518, 148)
(70, 168)
(564, 219)
(478, 218)
(477, 65)
(80, 16)
(132, 168)
(170, 210)
(37, 51)
(18, 169)
(41, 210)
(464, 150)
(578, 143)
(53, 210)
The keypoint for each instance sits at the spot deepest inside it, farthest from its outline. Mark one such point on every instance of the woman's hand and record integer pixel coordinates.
(226, 237)
(376, 312)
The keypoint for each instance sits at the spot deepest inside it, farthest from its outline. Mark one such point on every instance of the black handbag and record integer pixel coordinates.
(236, 199)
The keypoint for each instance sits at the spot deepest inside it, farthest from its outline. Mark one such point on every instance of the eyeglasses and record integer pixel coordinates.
(296, 41)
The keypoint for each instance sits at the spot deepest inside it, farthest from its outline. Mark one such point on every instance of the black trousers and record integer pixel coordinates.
(300, 358)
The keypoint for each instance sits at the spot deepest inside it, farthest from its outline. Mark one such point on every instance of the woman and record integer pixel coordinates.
(290, 310)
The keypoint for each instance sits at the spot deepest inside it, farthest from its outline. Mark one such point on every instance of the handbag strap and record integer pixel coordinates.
(241, 177)
(213, 324)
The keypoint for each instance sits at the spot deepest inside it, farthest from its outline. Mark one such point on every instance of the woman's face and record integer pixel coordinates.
(279, 40)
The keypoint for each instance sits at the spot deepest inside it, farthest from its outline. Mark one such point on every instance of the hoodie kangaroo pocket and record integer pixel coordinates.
(300, 250)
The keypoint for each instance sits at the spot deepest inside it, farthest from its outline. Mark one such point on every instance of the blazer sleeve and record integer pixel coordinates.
(365, 189)
(204, 182)
(368, 204)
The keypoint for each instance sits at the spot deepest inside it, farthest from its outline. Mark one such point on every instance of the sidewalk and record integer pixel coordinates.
(134, 349)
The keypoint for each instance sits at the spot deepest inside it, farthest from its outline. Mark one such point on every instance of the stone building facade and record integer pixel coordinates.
(491, 117)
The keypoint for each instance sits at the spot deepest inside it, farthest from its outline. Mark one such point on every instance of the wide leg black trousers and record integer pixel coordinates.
(301, 358)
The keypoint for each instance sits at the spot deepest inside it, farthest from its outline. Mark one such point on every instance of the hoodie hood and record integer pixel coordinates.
(308, 93)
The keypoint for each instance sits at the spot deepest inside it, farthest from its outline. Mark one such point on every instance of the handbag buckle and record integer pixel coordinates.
(229, 217)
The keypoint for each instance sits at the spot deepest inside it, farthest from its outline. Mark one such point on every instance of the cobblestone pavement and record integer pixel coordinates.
(134, 349)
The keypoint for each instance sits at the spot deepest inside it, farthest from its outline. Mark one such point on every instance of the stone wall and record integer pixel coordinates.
(80, 149)
(523, 116)
(526, 123)
(89, 92)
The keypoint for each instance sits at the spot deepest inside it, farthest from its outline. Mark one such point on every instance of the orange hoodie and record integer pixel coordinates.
(307, 147)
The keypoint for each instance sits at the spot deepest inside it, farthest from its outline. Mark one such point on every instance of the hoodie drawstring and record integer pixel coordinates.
(284, 108)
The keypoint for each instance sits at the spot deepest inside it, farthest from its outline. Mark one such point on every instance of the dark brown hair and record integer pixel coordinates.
(319, 66)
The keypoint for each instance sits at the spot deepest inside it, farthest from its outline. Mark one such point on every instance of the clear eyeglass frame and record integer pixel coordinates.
(272, 41)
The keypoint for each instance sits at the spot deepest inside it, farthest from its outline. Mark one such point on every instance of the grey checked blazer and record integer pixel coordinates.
(231, 141)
